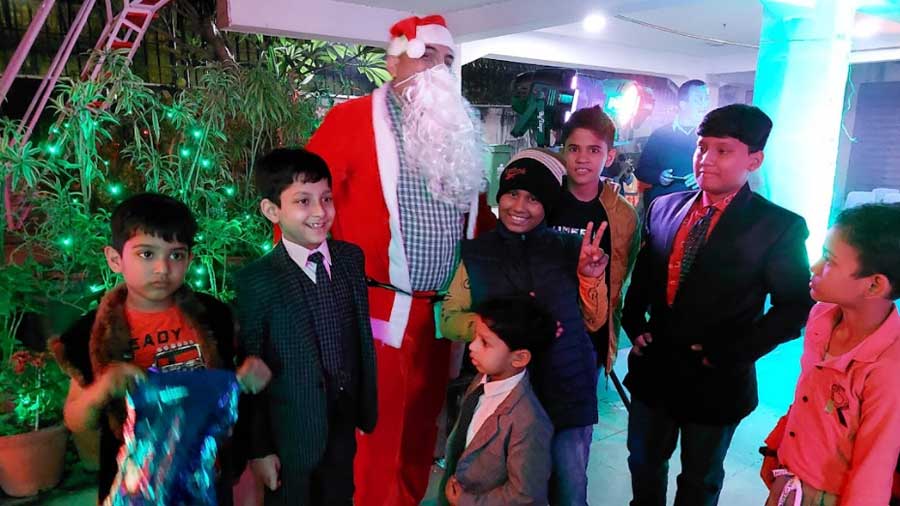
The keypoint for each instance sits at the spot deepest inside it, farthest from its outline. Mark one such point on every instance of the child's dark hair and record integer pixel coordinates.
(520, 321)
(873, 230)
(684, 91)
(746, 123)
(281, 167)
(593, 119)
(153, 214)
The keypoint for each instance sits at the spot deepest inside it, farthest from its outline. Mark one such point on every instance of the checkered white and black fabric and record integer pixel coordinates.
(290, 417)
(326, 314)
(431, 229)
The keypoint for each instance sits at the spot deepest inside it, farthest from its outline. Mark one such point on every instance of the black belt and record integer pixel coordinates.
(433, 296)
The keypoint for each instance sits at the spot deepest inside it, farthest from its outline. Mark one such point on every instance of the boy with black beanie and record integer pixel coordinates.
(563, 272)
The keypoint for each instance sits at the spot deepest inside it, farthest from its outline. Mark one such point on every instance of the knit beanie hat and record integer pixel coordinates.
(537, 171)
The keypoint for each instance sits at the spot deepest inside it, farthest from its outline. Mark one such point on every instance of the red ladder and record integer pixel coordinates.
(123, 31)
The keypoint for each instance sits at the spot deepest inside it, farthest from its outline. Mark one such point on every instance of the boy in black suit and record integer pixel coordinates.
(709, 261)
(303, 308)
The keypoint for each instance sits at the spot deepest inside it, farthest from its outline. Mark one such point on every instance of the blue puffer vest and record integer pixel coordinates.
(543, 262)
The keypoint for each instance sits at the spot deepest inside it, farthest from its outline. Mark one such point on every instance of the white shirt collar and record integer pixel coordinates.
(300, 255)
(501, 387)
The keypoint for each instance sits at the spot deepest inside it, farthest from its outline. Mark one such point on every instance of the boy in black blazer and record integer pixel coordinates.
(303, 308)
(709, 261)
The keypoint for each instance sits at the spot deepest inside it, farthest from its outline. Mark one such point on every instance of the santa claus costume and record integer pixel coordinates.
(360, 142)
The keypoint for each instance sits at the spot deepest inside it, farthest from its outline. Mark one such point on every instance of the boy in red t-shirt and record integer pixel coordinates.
(153, 320)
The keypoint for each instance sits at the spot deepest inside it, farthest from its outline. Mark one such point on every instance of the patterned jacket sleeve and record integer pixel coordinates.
(457, 319)
(254, 423)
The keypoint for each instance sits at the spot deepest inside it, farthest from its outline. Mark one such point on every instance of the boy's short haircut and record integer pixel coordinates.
(520, 321)
(282, 167)
(593, 119)
(746, 123)
(684, 91)
(873, 230)
(153, 214)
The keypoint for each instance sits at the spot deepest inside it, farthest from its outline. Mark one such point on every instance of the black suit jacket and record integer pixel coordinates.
(290, 417)
(757, 250)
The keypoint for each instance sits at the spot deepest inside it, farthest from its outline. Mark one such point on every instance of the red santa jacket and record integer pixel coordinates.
(358, 144)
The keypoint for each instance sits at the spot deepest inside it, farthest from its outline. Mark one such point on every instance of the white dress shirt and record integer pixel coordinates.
(495, 392)
(300, 256)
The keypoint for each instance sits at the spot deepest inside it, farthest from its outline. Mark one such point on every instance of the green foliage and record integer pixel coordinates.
(312, 62)
(39, 396)
(116, 136)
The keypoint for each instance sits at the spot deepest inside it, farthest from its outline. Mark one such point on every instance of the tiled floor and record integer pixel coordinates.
(608, 478)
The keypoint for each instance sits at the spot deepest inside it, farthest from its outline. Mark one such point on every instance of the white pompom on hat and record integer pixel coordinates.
(410, 35)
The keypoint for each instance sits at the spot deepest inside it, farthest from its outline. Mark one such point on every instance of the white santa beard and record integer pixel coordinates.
(442, 138)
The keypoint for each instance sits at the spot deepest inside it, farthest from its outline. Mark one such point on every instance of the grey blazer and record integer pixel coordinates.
(507, 463)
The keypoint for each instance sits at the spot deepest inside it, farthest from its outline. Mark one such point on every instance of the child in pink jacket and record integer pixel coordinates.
(839, 443)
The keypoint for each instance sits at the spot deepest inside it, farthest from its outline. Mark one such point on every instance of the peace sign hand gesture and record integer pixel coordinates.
(592, 260)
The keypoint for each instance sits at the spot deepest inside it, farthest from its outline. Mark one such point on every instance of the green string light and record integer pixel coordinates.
(53, 149)
(205, 163)
(200, 270)
(185, 152)
(114, 189)
(266, 246)
(196, 133)
(230, 191)
(66, 242)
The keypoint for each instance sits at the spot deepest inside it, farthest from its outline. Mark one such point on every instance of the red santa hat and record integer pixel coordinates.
(410, 35)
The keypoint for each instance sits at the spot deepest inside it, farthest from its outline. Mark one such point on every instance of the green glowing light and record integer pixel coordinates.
(53, 149)
(198, 284)
(196, 133)
(66, 242)
(114, 189)
(266, 246)
(96, 288)
(205, 163)
(185, 152)
(200, 270)
(230, 191)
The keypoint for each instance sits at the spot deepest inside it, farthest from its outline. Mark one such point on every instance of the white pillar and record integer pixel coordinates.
(804, 56)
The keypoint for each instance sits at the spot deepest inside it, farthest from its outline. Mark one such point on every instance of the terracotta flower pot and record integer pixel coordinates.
(33, 461)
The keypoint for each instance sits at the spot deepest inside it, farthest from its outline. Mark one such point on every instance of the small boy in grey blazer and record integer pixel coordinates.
(499, 450)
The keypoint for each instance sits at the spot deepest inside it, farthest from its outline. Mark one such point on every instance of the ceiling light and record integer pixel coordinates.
(594, 23)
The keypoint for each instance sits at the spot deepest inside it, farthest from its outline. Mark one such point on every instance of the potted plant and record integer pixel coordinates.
(32, 393)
